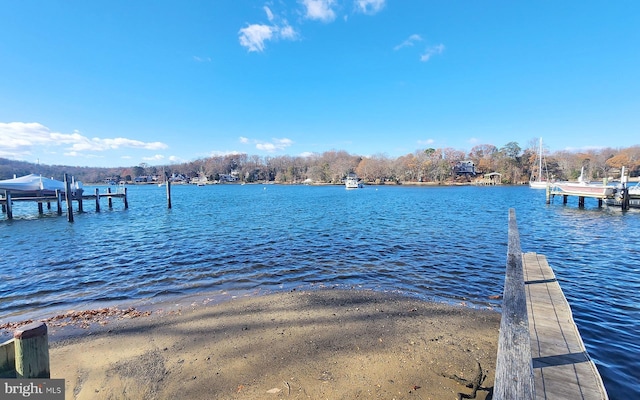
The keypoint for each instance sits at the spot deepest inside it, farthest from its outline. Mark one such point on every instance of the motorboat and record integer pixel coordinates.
(583, 188)
(352, 182)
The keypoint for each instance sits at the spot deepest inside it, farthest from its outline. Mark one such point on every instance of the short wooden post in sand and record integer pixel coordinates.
(32, 351)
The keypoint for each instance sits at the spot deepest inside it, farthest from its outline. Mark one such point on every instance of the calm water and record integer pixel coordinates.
(442, 243)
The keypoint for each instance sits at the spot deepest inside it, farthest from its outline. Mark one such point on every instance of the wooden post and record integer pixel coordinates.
(514, 368)
(580, 201)
(168, 183)
(97, 200)
(564, 198)
(7, 195)
(32, 351)
(40, 208)
(67, 198)
(78, 196)
(59, 201)
(126, 203)
(48, 205)
(8, 359)
(625, 198)
(548, 193)
(110, 200)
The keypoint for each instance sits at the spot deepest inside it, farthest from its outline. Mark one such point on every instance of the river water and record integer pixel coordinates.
(438, 243)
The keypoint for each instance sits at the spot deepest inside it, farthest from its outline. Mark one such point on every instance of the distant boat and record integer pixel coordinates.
(536, 181)
(583, 188)
(352, 182)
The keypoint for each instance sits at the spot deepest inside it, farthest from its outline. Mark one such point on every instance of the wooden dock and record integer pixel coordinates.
(8, 198)
(540, 352)
(562, 368)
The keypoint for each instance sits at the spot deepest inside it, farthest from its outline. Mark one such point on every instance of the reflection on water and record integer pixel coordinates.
(438, 243)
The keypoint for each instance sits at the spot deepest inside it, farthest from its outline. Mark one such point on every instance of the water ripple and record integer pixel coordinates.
(442, 243)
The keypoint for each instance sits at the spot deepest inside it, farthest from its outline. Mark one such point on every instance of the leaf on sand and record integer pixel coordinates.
(274, 391)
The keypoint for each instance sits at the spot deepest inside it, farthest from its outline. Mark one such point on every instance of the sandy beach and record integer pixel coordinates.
(324, 344)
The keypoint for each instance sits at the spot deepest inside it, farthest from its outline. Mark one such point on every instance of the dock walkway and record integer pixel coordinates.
(562, 367)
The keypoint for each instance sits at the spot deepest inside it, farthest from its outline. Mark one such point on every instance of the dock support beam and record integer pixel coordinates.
(67, 198)
(7, 195)
(97, 200)
(32, 351)
(126, 203)
(59, 201)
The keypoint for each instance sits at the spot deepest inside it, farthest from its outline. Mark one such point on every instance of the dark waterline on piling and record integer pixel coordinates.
(443, 243)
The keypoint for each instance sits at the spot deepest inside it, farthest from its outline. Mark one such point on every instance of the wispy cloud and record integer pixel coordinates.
(272, 146)
(426, 142)
(22, 139)
(201, 59)
(319, 10)
(370, 7)
(410, 41)
(255, 36)
(157, 157)
(431, 51)
(267, 10)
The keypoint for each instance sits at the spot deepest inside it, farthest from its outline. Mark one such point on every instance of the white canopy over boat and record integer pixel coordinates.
(34, 183)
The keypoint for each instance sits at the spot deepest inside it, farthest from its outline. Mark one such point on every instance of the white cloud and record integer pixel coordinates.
(274, 145)
(157, 157)
(410, 41)
(426, 142)
(21, 139)
(201, 59)
(253, 36)
(319, 10)
(431, 51)
(370, 7)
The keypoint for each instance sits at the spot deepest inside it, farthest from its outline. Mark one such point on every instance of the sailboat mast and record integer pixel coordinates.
(540, 162)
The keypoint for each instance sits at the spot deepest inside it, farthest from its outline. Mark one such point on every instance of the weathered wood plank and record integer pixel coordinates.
(562, 367)
(514, 371)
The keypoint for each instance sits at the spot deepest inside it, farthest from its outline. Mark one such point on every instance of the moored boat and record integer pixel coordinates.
(537, 181)
(352, 182)
(583, 188)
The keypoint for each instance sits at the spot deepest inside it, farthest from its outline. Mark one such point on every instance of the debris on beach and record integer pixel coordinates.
(82, 319)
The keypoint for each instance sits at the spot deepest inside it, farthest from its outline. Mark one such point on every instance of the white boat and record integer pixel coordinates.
(352, 182)
(537, 181)
(583, 188)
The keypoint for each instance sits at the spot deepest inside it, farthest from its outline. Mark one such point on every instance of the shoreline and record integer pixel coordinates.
(324, 343)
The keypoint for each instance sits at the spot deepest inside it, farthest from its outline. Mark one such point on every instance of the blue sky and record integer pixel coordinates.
(119, 83)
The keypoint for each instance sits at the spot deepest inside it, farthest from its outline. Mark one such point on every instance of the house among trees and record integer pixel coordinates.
(464, 168)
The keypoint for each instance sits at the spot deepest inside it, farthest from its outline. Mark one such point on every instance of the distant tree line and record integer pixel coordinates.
(514, 163)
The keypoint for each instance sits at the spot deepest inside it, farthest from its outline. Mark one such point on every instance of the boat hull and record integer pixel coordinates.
(584, 189)
(538, 184)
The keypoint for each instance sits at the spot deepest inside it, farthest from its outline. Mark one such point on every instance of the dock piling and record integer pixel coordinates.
(97, 200)
(32, 351)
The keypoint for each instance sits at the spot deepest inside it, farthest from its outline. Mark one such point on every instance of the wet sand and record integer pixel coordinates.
(324, 344)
